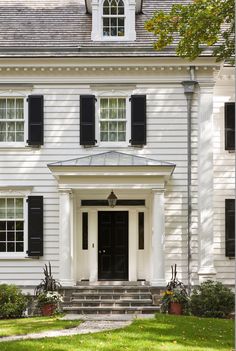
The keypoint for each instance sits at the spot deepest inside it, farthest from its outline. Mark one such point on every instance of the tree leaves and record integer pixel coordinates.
(195, 27)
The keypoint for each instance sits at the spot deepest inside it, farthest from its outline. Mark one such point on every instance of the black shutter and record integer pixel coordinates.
(35, 226)
(87, 120)
(230, 227)
(230, 126)
(138, 120)
(35, 110)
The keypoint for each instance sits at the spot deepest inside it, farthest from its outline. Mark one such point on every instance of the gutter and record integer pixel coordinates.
(189, 88)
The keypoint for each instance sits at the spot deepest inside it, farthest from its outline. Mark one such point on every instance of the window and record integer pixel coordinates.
(85, 231)
(12, 120)
(11, 225)
(112, 120)
(230, 126)
(141, 230)
(230, 227)
(113, 18)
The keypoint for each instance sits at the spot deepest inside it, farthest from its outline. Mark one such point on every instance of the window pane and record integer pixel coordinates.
(106, 22)
(19, 136)
(19, 203)
(104, 103)
(113, 126)
(104, 114)
(104, 136)
(114, 32)
(2, 113)
(19, 225)
(3, 213)
(10, 113)
(2, 247)
(112, 136)
(121, 136)
(19, 236)
(2, 203)
(121, 31)
(104, 126)
(3, 104)
(10, 247)
(19, 247)
(10, 236)
(19, 114)
(19, 103)
(10, 103)
(114, 22)
(121, 126)
(3, 226)
(19, 213)
(2, 236)
(10, 225)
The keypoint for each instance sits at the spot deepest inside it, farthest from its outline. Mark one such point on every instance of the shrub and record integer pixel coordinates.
(212, 299)
(12, 301)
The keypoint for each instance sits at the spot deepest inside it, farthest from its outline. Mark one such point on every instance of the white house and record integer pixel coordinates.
(88, 109)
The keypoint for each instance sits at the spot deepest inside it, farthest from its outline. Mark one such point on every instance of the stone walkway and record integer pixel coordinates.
(95, 324)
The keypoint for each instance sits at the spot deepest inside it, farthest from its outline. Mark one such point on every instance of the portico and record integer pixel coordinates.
(84, 183)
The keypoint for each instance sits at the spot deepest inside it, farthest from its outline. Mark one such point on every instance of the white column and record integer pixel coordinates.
(133, 245)
(158, 234)
(130, 20)
(205, 183)
(93, 245)
(65, 230)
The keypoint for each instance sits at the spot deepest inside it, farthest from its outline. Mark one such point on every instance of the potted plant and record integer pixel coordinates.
(175, 298)
(48, 302)
(47, 294)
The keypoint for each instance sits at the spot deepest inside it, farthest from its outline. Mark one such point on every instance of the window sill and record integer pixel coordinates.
(20, 146)
(17, 256)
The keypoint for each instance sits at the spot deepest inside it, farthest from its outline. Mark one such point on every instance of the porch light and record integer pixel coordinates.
(112, 199)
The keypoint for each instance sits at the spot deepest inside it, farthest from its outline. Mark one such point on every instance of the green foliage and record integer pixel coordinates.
(201, 24)
(174, 295)
(12, 301)
(50, 297)
(212, 299)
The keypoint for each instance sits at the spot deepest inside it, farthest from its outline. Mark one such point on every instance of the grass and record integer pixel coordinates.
(170, 333)
(33, 325)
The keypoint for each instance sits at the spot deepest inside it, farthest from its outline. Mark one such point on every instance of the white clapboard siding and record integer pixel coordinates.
(224, 181)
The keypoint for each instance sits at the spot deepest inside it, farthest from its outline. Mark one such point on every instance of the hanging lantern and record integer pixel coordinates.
(112, 199)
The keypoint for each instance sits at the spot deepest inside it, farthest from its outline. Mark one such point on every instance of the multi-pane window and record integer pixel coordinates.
(11, 119)
(113, 119)
(113, 18)
(11, 225)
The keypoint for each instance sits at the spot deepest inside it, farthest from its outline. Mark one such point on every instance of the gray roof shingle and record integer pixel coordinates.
(63, 28)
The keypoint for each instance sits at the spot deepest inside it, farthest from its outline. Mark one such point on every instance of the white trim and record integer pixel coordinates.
(12, 93)
(18, 255)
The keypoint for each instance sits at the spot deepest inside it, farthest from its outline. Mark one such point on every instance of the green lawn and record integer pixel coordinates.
(170, 333)
(33, 325)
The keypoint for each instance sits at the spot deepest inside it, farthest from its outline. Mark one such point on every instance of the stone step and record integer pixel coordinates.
(107, 303)
(112, 310)
(111, 295)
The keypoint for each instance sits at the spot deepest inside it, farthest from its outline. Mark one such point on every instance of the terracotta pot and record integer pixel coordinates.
(48, 309)
(175, 308)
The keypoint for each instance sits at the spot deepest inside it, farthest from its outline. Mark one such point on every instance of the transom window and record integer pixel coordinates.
(113, 119)
(11, 225)
(11, 119)
(113, 18)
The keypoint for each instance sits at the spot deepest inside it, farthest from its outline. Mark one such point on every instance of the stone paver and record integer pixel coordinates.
(107, 317)
(84, 328)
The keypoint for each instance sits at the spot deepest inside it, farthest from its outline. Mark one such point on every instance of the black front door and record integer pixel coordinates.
(113, 245)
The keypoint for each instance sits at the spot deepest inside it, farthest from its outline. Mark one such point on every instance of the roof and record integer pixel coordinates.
(109, 159)
(63, 28)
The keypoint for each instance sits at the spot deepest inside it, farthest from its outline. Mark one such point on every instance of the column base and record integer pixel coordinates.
(160, 283)
(67, 282)
(206, 273)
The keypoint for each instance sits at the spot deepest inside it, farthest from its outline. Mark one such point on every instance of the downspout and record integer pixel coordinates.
(189, 87)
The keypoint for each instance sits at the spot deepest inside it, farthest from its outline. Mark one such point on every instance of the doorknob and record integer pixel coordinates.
(104, 251)
(99, 251)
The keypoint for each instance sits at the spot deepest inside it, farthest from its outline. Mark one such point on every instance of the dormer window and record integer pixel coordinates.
(113, 18)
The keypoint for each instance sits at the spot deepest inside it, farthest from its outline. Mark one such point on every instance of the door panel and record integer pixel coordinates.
(113, 245)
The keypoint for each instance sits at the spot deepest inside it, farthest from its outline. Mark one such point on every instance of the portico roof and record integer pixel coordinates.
(111, 159)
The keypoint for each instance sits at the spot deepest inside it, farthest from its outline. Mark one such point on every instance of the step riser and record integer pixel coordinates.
(109, 300)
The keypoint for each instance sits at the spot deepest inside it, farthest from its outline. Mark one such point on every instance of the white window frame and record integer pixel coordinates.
(114, 37)
(114, 144)
(17, 95)
(17, 255)
(97, 22)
